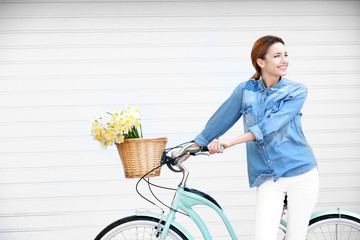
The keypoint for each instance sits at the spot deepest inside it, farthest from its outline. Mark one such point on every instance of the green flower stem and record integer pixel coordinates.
(133, 133)
(136, 134)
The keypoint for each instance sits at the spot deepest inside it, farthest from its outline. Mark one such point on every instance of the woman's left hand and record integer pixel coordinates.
(215, 146)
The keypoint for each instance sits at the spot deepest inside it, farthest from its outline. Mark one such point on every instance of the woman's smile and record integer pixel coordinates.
(282, 67)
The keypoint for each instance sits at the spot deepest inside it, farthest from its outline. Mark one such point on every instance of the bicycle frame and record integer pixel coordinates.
(199, 200)
(184, 200)
(149, 224)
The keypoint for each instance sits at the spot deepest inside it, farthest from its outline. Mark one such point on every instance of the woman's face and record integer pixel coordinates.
(275, 62)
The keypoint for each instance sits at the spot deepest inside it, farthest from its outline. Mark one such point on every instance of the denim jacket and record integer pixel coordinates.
(273, 116)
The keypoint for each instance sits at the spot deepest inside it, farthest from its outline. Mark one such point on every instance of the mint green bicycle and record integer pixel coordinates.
(326, 225)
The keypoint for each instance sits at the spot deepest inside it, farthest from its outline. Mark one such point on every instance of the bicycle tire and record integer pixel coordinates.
(137, 227)
(281, 231)
(333, 226)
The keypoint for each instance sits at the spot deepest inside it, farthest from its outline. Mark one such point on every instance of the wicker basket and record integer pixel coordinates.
(141, 155)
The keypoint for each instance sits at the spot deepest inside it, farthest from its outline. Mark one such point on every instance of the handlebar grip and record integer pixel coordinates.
(206, 149)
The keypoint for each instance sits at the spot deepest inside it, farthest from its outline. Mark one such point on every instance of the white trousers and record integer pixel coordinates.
(302, 191)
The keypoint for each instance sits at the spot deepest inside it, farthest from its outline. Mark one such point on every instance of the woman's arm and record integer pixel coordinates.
(288, 109)
(215, 145)
(223, 119)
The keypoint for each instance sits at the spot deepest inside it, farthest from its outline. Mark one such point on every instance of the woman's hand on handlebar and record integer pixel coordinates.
(175, 154)
(217, 146)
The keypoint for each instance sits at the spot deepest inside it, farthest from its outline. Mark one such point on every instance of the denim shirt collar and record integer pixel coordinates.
(261, 85)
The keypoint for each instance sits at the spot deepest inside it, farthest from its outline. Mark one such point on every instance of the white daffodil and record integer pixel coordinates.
(116, 126)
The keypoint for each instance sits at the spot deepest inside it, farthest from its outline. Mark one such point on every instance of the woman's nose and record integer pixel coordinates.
(284, 59)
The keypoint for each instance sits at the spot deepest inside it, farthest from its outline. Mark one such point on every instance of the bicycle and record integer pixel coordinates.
(325, 225)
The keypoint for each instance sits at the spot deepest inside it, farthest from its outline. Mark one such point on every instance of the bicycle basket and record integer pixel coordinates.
(140, 155)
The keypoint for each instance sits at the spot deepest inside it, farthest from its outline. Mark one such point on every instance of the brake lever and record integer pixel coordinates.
(172, 168)
(168, 161)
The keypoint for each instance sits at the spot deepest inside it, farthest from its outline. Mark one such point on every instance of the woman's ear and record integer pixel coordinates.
(260, 62)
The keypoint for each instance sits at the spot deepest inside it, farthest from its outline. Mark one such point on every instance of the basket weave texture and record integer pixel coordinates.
(141, 155)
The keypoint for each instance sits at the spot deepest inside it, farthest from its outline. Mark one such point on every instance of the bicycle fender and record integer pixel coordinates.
(146, 213)
(335, 211)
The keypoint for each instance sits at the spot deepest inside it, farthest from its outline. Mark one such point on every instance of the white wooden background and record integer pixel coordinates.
(64, 63)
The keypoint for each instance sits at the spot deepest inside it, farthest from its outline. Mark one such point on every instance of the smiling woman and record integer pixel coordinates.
(280, 161)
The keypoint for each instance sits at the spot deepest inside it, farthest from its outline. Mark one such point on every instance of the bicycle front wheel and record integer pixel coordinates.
(333, 227)
(138, 227)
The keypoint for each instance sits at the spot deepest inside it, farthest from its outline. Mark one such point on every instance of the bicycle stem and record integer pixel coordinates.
(185, 173)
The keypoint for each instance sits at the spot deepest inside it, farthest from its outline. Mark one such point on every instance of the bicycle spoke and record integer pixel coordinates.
(334, 231)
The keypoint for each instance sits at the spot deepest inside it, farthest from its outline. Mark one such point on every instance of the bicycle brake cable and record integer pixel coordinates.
(169, 207)
(152, 193)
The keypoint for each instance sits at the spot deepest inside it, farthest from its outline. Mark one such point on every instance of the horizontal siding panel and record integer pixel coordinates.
(153, 96)
(109, 158)
(25, 129)
(170, 66)
(56, 144)
(96, 203)
(227, 46)
(174, 23)
(73, 83)
(126, 67)
(349, 62)
(176, 36)
(178, 30)
(338, 151)
(94, 174)
(162, 110)
(231, 51)
(38, 184)
(125, 8)
(85, 83)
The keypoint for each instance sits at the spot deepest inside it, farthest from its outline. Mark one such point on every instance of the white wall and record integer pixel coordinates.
(64, 63)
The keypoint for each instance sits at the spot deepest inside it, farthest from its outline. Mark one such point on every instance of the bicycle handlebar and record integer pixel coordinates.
(206, 149)
(185, 150)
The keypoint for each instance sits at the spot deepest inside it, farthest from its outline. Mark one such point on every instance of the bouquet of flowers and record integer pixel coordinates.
(114, 127)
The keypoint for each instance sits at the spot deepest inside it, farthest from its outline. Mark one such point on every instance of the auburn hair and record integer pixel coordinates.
(259, 50)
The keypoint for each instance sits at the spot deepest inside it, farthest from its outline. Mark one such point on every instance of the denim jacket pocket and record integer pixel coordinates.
(248, 116)
(272, 108)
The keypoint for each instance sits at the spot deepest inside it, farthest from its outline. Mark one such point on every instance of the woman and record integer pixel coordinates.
(280, 161)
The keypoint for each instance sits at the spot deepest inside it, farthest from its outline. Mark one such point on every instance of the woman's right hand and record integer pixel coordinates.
(175, 154)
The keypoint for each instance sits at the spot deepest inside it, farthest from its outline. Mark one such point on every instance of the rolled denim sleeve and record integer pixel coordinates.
(223, 119)
(289, 107)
